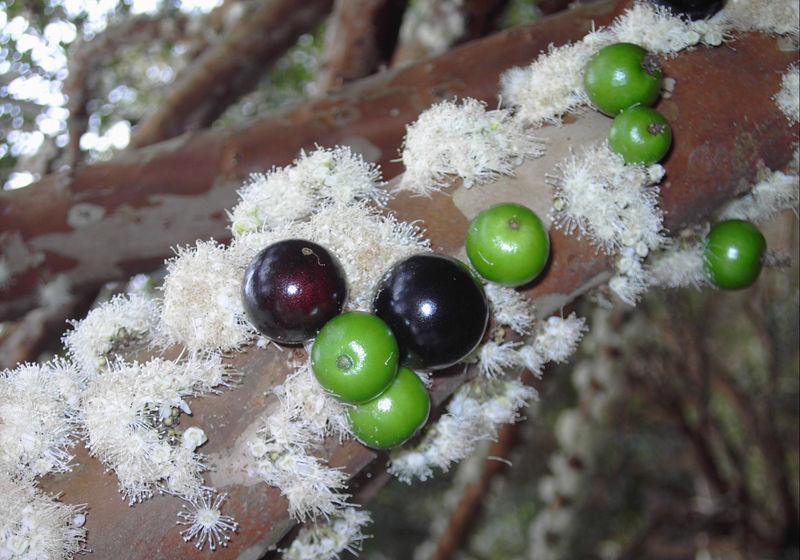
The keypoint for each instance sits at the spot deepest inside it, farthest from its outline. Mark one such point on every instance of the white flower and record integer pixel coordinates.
(35, 525)
(205, 522)
(290, 193)
(510, 307)
(473, 414)
(343, 532)
(202, 307)
(193, 437)
(558, 337)
(122, 319)
(773, 194)
(552, 85)
(37, 419)
(615, 204)
(677, 267)
(467, 141)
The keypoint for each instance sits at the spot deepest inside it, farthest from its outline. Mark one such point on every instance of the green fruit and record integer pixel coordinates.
(640, 135)
(621, 75)
(355, 356)
(732, 255)
(395, 415)
(508, 244)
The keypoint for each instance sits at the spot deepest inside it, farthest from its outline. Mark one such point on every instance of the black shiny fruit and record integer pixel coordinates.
(292, 288)
(693, 9)
(436, 309)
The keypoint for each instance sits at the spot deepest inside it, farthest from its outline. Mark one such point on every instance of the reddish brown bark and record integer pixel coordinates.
(360, 37)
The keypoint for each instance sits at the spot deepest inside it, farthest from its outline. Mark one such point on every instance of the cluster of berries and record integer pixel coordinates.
(623, 80)
(428, 313)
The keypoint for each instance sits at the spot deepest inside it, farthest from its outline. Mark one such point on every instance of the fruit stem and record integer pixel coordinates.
(651, 63)
(656, 128)
(344, 362)
(513, 223)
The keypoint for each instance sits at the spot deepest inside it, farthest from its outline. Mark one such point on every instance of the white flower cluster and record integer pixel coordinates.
(474, 414)
(34, 525)
(123, 318)
(281, 450)
(788, 97)
(613, 203)
(343, 532)
(581, 437)
(38, 425)
(616, 205)
(123, 410)
(678, 265)
(202, 309)
(467, 141)
(287, 194)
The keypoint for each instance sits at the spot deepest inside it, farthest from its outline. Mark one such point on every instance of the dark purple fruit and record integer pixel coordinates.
(292, 288)
(436, 309)
(693, 9)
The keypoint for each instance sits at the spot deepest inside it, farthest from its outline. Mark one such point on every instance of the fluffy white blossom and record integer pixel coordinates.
(290, 193)
(613, 203)
(202, 308)
(205, 522)
(38, 425)
(36, 525)
(343, 532)
(92, 341)
(123, 410)
(467, 141)
(780, 17)
(552, 85)
(678, 266)
(474, 413)
(510, 307)
(773, 194)
(281, 449)
(558, 337)
(55, 292)
(788, 97)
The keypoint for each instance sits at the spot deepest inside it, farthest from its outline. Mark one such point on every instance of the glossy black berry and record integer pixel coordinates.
(292, 288)
(436, 309)
(693, 9)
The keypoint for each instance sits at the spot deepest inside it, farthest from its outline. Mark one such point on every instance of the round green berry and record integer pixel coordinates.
(732, 254)
(395, 415)
(640, 135)
(355, 356)
(508, 244)
(620, 75)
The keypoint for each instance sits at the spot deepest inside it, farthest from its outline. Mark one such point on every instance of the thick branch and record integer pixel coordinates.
(360, 37)
(228, 70)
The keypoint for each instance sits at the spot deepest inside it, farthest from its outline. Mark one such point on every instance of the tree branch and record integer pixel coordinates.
(227, 71)
(360, 37)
